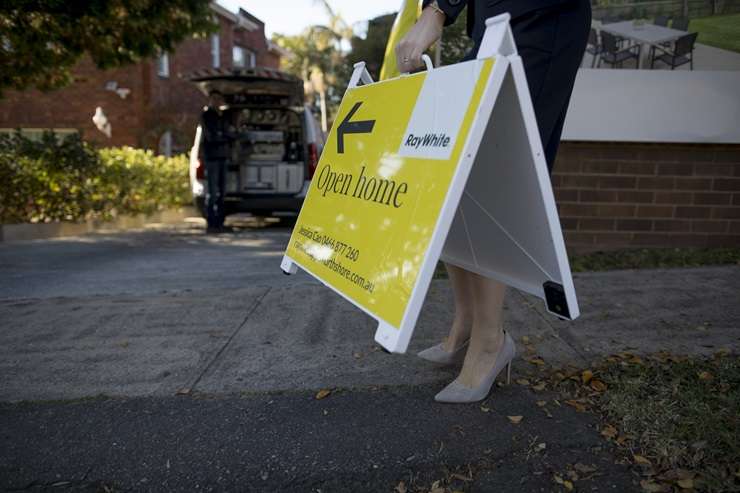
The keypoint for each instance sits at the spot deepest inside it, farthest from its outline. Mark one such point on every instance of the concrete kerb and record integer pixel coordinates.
(41, 231)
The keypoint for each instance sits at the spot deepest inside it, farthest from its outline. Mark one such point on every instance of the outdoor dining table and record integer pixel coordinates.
(645, 35)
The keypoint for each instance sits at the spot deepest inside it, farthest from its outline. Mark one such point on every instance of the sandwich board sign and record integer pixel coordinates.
(444, 164)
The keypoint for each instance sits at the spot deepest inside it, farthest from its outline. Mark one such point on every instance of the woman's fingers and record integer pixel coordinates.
(420, 37)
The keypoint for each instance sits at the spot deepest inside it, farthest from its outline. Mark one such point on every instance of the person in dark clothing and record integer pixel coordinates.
(216, 150)
(551, 38)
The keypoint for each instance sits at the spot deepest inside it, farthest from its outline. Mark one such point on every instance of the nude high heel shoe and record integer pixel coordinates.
(456, 392)
(438, 355)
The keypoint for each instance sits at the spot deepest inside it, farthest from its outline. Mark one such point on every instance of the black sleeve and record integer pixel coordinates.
(451, 8)
(209, 122)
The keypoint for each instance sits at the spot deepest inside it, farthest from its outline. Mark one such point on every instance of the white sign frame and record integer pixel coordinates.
(547, 258)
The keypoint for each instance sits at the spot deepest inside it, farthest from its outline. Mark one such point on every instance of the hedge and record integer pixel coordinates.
(70, 180)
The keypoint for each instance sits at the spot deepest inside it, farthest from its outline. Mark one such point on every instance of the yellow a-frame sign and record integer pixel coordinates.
(444, 163)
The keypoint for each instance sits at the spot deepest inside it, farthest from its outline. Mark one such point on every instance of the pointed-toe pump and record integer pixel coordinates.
(456, 392)
(438, 355)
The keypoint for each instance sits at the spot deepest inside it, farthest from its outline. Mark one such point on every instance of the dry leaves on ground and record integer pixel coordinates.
(322, 394)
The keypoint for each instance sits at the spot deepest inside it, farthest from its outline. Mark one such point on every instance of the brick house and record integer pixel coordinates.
(149, 104)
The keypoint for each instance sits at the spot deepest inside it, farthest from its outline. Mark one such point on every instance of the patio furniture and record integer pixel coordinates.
(593, 47)
(613, 55)
(642, 34)
(661, 20)
(682, 53)
(680, 24)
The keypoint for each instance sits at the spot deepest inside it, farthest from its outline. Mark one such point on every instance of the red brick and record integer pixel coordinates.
(566, 195)
(670, 239)
(671, 225)
(634, 225)
(613, 239)
(612, 182)
(637, 168)
(727, 184)
(567, 165)
(619, 152)
(676, 169)
(722, 240)
(656, 183)
(690, 154)
(693, 183)
(710, 169)
(616, 210)
(693, 212)
(709, 226)
(555, 180)
(577, 238)
(579, 181)
(654, 211)
(577, 210)
(725, 212)
(736, 199)
(597, 196)
(734, 227)
(596, 224)
(601, 167)
(635, 196)
(673, 198)
(710, 198)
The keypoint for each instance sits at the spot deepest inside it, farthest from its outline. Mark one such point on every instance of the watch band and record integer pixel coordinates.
(435, 6)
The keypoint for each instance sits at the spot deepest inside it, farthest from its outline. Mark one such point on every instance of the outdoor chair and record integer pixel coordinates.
(682, 53)
(661, 20)
(613, 55)
(593, 47)
(611, 19)
(680, 24)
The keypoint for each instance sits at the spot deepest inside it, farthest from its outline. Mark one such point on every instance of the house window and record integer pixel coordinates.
(243, 58)
(215, 51)
(165, 144)
(163, 65)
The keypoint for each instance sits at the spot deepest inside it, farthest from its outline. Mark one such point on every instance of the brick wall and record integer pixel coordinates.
(616, 195)
(154, 105)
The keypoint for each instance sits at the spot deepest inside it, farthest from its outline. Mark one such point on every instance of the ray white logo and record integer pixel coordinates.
(427, 140)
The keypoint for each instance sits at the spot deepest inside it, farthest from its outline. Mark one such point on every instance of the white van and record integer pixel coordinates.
(277, 141)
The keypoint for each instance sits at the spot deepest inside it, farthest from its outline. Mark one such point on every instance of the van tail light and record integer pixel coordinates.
(313, 160)
(200, 170)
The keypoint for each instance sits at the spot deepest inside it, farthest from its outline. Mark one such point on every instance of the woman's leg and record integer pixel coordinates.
(462, 291)
(487, 336)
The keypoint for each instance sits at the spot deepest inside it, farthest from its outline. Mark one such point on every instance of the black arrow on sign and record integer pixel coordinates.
(348, 127)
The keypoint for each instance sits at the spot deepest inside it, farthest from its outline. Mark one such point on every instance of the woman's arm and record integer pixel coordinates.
(435, 15)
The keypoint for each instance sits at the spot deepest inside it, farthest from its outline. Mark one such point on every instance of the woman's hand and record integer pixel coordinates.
(425, 32)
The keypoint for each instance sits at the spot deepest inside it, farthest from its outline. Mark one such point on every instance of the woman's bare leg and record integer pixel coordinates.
(462, 290)
(486, 336)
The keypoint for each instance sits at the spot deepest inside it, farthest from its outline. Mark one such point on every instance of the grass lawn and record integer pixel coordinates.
(677, 419)
(720, 31)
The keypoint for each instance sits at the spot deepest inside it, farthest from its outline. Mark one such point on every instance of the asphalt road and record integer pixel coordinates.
(168, 360)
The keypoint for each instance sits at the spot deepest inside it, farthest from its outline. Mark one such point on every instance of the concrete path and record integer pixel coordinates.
(173, 361)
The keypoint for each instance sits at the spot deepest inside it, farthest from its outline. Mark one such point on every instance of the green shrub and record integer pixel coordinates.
(69, 180)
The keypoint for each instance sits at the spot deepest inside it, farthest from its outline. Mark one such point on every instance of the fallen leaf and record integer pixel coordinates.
(686, 483)
(705, 375)
(598, 385)
(650, 486)
(184, 391)
(609, 431)
(525, 339)
(515, 419)
(539, 387)
(541, 403)
(641, 460)
(568, 485)
(577, 405)
(541, 446)
(535, 360)
(401, 487)
(522, 381)
(586, 376)
(466, 479)
(485, 409)
(322, 393)
(558, 479)
(583, 468)
(357, 355)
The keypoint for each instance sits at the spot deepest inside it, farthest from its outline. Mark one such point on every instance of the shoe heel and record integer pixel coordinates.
(508, 373)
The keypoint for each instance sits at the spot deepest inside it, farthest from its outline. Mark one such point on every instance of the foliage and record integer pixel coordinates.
(40, 40)
(371, 48)
(69, 180)
(455, 41)
(720, 31)
(675, 418)
(654, 258)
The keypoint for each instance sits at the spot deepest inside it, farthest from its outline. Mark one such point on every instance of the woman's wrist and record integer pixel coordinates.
(434, 6)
